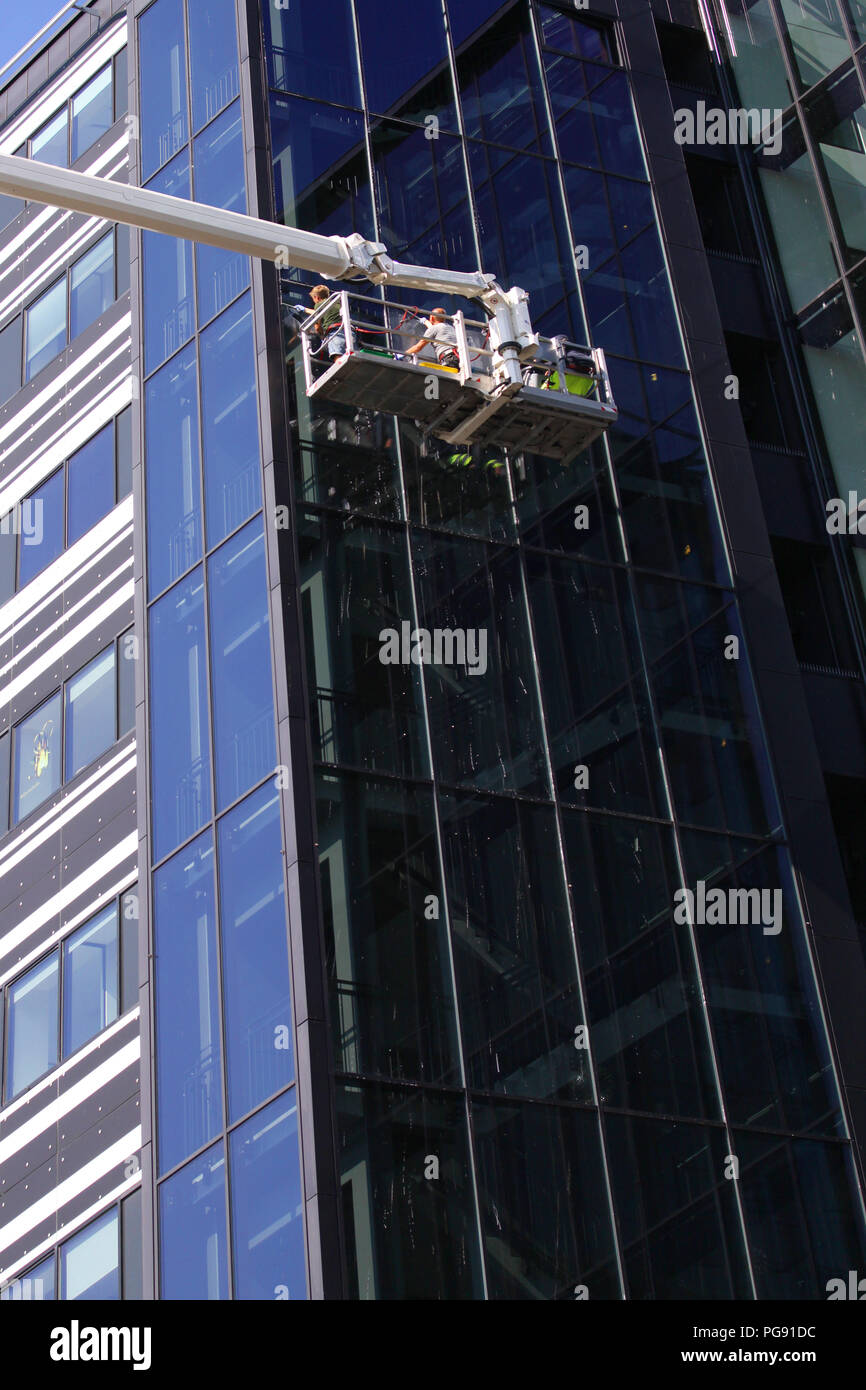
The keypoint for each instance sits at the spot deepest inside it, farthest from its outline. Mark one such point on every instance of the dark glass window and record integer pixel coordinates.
(570, 35)
(91, 712)
(92, 112)
(180, 721)
(10, 359)
(162, 66)
(500, 86)
(258, 1011)
(230, 426)
(8, 554)
(422, 197)
(192, 1221)
(38, 767)
(768, 403)
(91, 287)
(721, 205)
(814, 604)
(169, 315)
(90, 980)
(465, 16)
(321, 175)
(213, 58)
(311, 51)
(33, 1004)
(218, 160)
(686, 56)
(189, 1066)
(45, 322)
(173, 472)
(90, 484)
(405, 57)
(267, 1205)
(90, 1261)
(41, 521)
(50, 145)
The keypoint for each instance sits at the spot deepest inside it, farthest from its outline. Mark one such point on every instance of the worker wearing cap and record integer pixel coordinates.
(441, 336)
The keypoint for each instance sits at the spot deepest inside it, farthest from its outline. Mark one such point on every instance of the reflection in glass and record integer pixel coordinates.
(310, 50)
(267, 1205)
(31, 1029)
(91, 712)
(321, 176)
(45, 328)
(92, 112)
(91, 287)
(192, 1225)
(37, 1285)
(41, 529)
(405, 58)
(162, 83)
(90, 484)
(230, 427)
(38, 768)
(90, 1261)
(167, 307)
(213, 58)
(50, 144)
(174, 532)
(500, 86)
(90, 980)
(218, 158)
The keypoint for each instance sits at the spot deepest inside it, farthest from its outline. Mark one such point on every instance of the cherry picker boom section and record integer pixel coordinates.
(509, 388)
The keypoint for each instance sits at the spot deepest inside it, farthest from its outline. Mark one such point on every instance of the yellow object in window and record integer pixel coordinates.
(41, 751)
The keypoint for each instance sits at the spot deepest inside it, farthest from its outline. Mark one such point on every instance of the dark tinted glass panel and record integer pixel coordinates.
(36, 1286)
(513, 949)
(192, 1220)
(174, 534)
(90, 484)
(230, 427)
(500, 86)
(162, 66)
(355, 579)
(10, 359)
(91, 712)
(572, 36)
(123, 448)
(37, 757)
(180, 728)
(466, 16)
(5, 754)
(121, 83)
(167, 269)
(31, 1028)
(90, 980)
(462, 488)
(538, 1246)
(384, 913)
(50, 144)
(130, 1246)
(40, 521)
(90, 1261)
(213, 58)
(321, 176)
(421, 197)
(91, 286)
(267, 1205)
(92, 112)
(407, 1195)
(219, 181)
(46, 329)
(311, 51)
(189, 1069)
(406, 61)
(258, 1014)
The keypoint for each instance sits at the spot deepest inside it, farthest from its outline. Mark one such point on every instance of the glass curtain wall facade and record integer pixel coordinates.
(543, 1076)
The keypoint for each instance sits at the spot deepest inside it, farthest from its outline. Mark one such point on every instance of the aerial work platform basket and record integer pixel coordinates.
(355, 352)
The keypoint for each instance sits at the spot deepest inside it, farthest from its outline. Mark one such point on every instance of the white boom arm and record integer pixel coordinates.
(334, 257)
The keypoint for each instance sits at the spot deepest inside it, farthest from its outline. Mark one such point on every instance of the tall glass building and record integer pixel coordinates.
(323, 977)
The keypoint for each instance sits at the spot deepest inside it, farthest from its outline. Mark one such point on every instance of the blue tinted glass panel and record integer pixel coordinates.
(5, 755)
(500, 84)
(91, 285)
(189, 1070)
(92, 112)
(230, 426)
(406, 67)
(321, 176)
(9, 209)
(172, 473)
(90, 980)
(169, 305)
(467, 16)
(220, 182)
(192, 1218)
(91, 712)
(213, 58)
(50, 144)
(46, 329)
(90, 1261)
(31, 1043)
(124, 453)
(36, 1286)
(267, 1223)
(10, 359)
(41, 526)
(311, 51)
(90, 484)
(255, 953)
(162, 65)
(180, 751)
(241, 657)
(37, 757)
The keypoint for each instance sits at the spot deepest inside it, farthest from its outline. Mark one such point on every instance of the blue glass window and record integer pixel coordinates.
(406, 67)
(220, 182)
(188, 1063)
(91, 712)
(258, 1015)
(37, 757)
(241, 660)
(173, 473)
(180, 754)
(230, 422)
(10, 359)
(36, 1286)
(5, 754)
(311, 51)
(31, 1048)
(162, 65)
(46, 329)
(92, 112)
(91, 285)
(90, 1261)
(321, 176)
(90, 980)
(466, 16)
(41, 525)
(267, 1225)
(168, 307)
(192, 1213)
(50, 145)
(9, 209)
(90, 484)
(213, 57)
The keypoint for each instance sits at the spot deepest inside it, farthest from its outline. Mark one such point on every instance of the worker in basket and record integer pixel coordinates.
(330, 325)
(441, 338)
